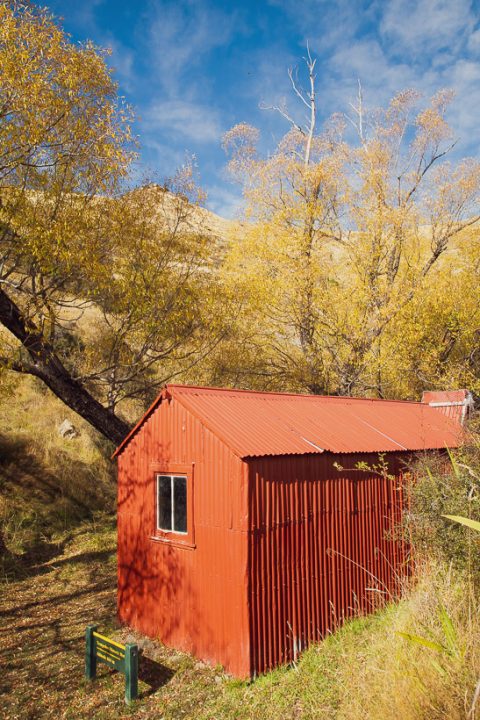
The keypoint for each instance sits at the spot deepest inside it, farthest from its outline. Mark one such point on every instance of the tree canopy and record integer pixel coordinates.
(355, 272)
(103, 286)
(354, 234)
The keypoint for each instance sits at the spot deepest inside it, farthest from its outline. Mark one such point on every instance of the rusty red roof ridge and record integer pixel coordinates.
(292, 429)
(281, 394)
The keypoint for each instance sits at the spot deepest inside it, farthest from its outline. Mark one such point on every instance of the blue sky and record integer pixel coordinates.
(194, 68)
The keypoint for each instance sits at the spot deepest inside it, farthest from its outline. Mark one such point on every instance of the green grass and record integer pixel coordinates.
(365, 670)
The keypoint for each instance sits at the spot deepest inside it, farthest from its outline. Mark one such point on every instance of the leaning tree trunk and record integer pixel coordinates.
(45, 364)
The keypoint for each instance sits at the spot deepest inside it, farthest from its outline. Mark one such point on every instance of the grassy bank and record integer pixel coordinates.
(366, 670)
(48, 484)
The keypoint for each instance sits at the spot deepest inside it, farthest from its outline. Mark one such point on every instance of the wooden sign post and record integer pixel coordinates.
(123, 658)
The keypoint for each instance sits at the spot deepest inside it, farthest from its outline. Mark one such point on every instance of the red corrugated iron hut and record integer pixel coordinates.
(245, 528)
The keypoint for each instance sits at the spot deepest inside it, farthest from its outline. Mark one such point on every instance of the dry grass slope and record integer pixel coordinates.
(48, 484)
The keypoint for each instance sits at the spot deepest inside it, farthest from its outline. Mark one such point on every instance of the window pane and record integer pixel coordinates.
(180, 504)
(164, 502)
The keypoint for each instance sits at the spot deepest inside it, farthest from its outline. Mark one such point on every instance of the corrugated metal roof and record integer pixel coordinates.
(444, 396)
(455, 404)
(254, 424)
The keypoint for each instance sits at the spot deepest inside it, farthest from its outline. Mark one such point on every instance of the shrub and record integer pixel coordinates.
(446, 484)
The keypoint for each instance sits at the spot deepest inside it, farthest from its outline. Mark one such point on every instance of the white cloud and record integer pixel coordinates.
(324, 23)
(181, 118)
(181, 34)
(474, 42)
(224, 202)
(365, 59)
(464, 78)
(160, 161)
(425, 26)
(122, 61)
(83, 13)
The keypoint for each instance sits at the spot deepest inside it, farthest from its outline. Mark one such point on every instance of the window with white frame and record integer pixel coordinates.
(172, 503)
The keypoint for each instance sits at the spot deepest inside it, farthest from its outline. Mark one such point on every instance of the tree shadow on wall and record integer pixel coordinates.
(157, 595)
(157, 598)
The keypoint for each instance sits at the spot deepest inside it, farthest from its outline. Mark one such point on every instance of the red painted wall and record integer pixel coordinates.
(281, 550)
(193, 597)
(323, 547)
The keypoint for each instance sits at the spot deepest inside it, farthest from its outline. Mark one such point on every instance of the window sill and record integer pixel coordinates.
(185, 544)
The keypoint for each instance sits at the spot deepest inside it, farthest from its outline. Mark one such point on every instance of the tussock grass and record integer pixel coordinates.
(48, 484)
(432, 674)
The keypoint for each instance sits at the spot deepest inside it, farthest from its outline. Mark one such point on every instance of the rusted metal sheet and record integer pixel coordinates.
(323, 546)
(255, 424)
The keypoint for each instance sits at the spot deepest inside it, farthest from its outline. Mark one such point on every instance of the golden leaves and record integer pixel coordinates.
(61, 119)
(118, 281)
(342, 249)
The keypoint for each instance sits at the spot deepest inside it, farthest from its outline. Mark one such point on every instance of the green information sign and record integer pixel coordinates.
(123, 658)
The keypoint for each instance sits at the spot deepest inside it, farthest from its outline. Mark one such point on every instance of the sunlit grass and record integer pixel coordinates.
(48, 484)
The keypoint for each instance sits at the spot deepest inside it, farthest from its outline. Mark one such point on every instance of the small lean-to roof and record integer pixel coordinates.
(254, 424)
(455, 404)
(445, 397)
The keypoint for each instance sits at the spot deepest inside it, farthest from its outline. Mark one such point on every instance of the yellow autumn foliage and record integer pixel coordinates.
(359, 268)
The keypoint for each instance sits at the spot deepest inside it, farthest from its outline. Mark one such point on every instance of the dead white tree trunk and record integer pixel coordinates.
(308, 98)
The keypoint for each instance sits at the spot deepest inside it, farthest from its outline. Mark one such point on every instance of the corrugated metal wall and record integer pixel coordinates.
(193, 598)
(322, 547)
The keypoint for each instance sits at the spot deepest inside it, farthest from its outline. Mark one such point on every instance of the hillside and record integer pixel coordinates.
(57, 515)
(48, 484)
(58, 499)
(194, 217)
